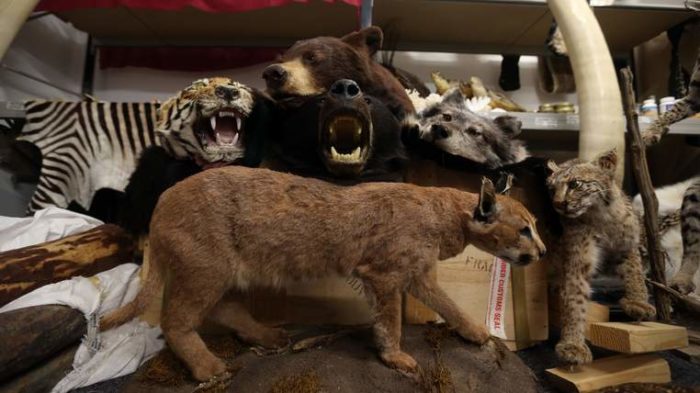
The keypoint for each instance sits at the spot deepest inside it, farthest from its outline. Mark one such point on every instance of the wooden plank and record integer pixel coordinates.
(637, 337)
(31, 335)
(531, 313)
(611, 371)
(597, 312)
(85, 254)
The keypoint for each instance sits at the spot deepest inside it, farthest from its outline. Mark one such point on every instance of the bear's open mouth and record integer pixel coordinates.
(345, 139)
(221, 130)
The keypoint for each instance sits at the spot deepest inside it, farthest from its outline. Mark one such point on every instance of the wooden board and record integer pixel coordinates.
(637, 337)
(611, 371)
(84, 254)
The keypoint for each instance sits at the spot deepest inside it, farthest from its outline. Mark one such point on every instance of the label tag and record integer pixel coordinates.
(498, 295)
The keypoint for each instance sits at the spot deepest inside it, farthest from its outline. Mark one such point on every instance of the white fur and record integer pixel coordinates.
(670, 200)
(420, 103)
(474, 104)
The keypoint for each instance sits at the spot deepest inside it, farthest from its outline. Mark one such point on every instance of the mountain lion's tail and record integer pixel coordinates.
(149, 289)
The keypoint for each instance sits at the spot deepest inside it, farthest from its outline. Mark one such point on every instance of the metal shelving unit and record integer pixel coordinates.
(531, 121)
(570, 122)
(478, 26)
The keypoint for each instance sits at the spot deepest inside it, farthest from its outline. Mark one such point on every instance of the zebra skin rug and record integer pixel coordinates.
(85, 146)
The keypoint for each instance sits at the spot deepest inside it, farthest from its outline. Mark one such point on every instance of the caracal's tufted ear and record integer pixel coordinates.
(551, 167)
(607, 161)
(368, 39)
(487, 201)
(504, 182)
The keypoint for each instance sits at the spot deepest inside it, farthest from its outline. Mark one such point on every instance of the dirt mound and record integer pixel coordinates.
(348, 363)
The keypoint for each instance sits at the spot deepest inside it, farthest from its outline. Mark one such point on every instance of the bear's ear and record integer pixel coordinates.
(368, 39)
(509, 124)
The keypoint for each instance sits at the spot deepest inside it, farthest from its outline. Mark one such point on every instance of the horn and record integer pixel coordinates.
(600, 102)
(12, 18)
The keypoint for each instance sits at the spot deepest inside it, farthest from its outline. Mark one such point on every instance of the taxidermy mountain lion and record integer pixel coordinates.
(235, 228)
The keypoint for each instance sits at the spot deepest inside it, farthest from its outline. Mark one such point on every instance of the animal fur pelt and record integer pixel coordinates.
(235, 228)
(450, 125)
(85, 146)
(156, 172)
(670, 199)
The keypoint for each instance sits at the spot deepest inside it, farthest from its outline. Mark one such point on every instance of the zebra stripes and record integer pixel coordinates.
(85, 146)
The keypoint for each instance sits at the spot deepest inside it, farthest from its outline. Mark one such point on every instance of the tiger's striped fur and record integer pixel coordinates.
(178, 127)
(690, 229)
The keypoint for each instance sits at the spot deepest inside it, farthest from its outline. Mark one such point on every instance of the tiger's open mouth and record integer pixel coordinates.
(221, 131)
(345, 140)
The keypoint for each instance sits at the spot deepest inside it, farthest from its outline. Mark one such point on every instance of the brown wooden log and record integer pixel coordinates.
(640, 169)
(44, 377)
(689, 302)
(34, 334)
(84, 254)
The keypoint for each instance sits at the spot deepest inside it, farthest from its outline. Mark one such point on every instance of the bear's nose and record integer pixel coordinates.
(345, 89)
(226, 93)
(275, 75)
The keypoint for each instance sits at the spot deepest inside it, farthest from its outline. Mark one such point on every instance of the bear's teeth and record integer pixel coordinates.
(238, 123)
(350, 157)
(213, 122)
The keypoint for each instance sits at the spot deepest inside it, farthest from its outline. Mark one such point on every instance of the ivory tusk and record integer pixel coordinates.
(600, 103)
(13, 13)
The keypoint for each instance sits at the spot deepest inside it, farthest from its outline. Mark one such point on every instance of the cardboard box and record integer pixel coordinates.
(511, 301)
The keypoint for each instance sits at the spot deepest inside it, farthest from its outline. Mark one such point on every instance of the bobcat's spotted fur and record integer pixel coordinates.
(599, 224)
